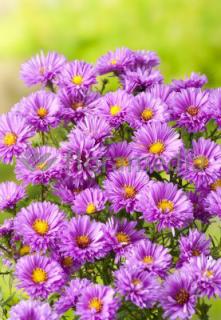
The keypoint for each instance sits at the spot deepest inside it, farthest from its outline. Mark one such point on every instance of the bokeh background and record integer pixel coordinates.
(185, 33)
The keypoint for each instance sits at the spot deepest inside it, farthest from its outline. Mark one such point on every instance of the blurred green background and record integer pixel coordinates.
(185, 33)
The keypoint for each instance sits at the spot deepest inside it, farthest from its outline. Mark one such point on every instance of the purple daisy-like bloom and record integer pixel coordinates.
(74, 105)
(206, 273)
(39, 276)
(39, 165)
(42, 68)
(199, 210)
(193, 245)
(155, 145)
(141, 79)
(7, 227)
(113, 107)
(179, 296)
(165, 205)
(119, 155)
(97, 303)
(115, 61)
(147, 59)
(40, 225)
(215, 106)
(89, 201)
(10, 194)
(95, 127)
(34, 310)
(137, 286)
(83, 239)
(195, 80)
(71, 294)
(161, 91)
(40, 110)
(14, 135)
(68, 264)
(213, 202)
(121, 235)
(146, 109)
(82, 156)
(201, 164)
(77, 76)
(189, 108)
(123, 186)
(151, 257)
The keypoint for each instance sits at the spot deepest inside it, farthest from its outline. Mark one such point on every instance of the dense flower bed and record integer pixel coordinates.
(115, 191)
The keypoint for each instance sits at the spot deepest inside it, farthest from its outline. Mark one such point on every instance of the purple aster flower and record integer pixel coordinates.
(179, 296)
(7, 227)
(74, 105)
(82, 156)
(165, 205)
(95, 127)
(68, 264)
(189, 108)
(147, 59)
(40, 110)
(213, 202)
(137, 286)
(119, 155)
(97, 303)
(123, 186)
(39, 165)
(39, 276)
(193, 245)
(77, 76)
(215, 106)
(206, 273)
(115, 61)
(34, 310)
(155, 145)
(161, 91)
(141, 79)
(83, 239)
(40, 225)
(121, 235)
(89, 201)
(71, 294)
(199, 210)
(10, 194)
(146, 109)
(195, 80)
(14, 135)
(113, 107)
(42, 68)
(151, 257)
(201, 164)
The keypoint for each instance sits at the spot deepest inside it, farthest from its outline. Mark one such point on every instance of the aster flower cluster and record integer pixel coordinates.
(116, 192)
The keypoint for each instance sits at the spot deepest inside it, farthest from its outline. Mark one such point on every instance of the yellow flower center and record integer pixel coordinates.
(196, 252)
(216, 185)
(41, 166)
(24, 250)
(67, 262)
(42, 112)
(91, 208)
(113, 61)
(123, 238)
(122, 162)
(147, 114)
(209, 273)
(78, 80)
(201, 162)
(10, 139)
(130, 192)
(96, 304)
(40, 226)
(193, 111)
(157, 147)
(77, 105)
(136, 282)
(114, 110)
(165, 205)
(148, 259)
(83, 241)
(182, 297)
(39, 275)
